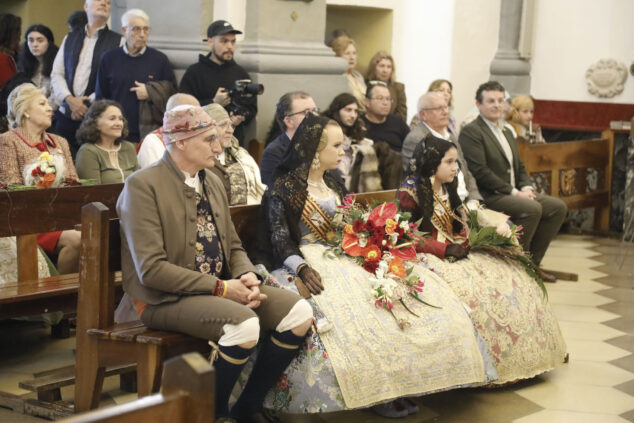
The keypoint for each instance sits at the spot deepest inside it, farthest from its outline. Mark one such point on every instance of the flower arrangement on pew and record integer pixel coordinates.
(489, 231)
(46, 172)
(382, 240)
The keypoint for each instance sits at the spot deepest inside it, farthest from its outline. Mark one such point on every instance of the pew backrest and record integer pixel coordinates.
(26, 213)
(187, 395)
(23, 214)
(578, 172)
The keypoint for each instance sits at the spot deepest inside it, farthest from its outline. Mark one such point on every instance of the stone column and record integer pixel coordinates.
(628, 219)
(178, 28)
(507, 66)
(283, 47)
(284, 50)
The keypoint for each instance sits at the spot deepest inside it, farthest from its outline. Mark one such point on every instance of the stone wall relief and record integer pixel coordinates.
(606, 78)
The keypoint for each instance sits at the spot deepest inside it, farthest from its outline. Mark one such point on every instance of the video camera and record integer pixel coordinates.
(241, 94)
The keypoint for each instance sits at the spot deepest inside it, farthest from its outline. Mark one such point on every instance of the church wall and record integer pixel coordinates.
(475, 39)
(40, 12)
(421, 41)
(570, 36)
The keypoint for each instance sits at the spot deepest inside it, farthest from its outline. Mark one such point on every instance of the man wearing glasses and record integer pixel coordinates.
(434, 115)
(380, 124)
(137, 76)
(290, 111)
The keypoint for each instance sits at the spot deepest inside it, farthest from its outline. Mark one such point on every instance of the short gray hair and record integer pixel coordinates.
(133, 13)
(425, 99)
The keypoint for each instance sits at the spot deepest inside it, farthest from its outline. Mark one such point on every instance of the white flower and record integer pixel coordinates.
(397, 216)
(365, 216)
(44, 166)
(382, 269)
(50, 170)
(404, 225)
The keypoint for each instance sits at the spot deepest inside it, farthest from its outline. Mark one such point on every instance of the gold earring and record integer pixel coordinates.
(26, 115)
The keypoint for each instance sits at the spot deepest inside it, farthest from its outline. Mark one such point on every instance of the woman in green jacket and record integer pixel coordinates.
(104, 156)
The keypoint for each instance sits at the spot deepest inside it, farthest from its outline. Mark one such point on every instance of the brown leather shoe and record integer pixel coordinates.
(546, 277)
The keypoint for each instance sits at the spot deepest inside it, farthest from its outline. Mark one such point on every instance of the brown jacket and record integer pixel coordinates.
(158, 234)
(399, 100)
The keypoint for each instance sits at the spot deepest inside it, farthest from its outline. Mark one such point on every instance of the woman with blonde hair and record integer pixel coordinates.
(30, 116)
(520, 117)
(381, 68)
(346, 48)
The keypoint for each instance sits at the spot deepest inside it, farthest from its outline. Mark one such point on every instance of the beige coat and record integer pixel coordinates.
(158, 234)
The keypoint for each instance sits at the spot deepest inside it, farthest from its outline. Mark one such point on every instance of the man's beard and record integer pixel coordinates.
(221, 58)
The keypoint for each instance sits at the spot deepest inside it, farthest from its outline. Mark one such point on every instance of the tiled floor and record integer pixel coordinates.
(596, 315)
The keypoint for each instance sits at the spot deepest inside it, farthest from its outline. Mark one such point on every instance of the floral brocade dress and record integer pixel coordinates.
(505, 303)
(365, 358)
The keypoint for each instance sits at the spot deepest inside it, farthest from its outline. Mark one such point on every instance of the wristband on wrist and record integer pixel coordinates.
(224, 291)
(221, 288)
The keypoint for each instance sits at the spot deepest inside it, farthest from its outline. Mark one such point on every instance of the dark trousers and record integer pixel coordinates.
(66, 127)
(540, 218)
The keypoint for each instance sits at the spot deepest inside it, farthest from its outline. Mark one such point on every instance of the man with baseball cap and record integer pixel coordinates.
(185, 269)
(215, 74)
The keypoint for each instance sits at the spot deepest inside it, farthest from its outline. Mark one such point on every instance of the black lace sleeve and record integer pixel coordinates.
(284, 234)
(277, 238)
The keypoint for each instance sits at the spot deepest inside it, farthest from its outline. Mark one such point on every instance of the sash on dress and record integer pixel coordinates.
(316, 218)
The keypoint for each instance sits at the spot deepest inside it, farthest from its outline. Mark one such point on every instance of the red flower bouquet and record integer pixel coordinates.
(382, 241)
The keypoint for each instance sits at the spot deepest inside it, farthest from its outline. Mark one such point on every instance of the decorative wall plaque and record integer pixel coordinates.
(606, 78)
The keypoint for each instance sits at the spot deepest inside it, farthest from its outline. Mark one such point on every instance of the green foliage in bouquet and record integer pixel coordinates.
(486, 238)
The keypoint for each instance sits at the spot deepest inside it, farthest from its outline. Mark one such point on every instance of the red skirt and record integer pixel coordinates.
(48, 242)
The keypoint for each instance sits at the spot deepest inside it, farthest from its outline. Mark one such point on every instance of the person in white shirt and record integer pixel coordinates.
(75, 68)
(152, 147)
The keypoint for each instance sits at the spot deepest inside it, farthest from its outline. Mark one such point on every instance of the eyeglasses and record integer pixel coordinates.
(379, 83)
(314, 111)
(137, 29)
(381, 98)
(439, 108)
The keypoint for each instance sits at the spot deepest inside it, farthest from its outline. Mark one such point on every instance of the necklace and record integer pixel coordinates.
(321, 185)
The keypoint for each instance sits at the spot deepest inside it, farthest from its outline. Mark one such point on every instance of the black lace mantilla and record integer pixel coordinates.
(283, 203)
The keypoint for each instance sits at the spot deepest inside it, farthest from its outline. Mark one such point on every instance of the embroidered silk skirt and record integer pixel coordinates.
(366, 358)
(509, 311)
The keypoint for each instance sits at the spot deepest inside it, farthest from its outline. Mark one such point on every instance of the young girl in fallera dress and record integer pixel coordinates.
(507, 305)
